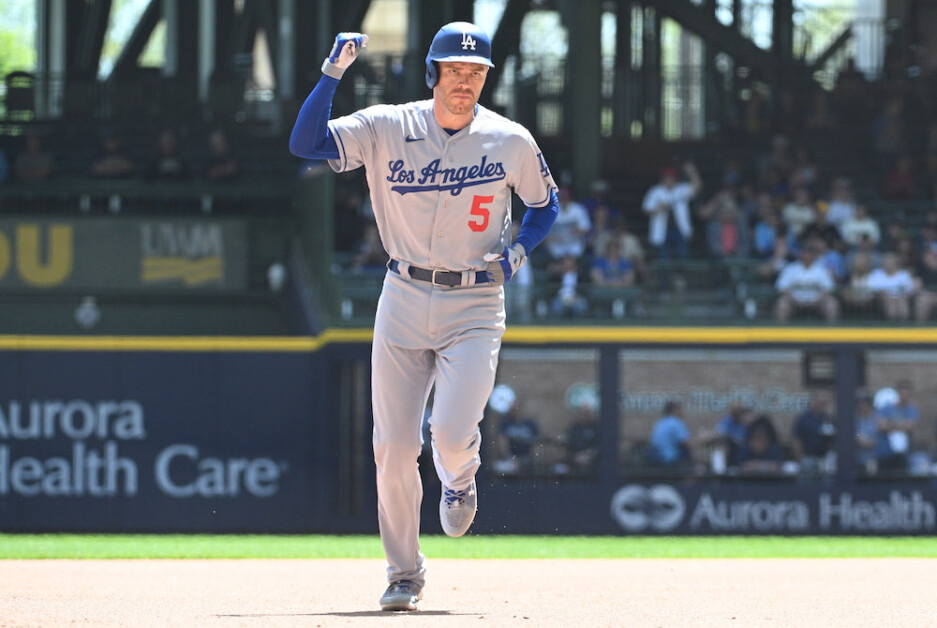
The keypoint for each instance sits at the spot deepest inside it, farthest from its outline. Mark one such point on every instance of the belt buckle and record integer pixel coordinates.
(433, 279)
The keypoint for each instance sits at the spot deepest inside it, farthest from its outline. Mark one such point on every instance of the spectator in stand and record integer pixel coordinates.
(832, 259)
(668, 205)
(222, 165)
(168, 165)
(777, 163)
(780, 256)
(568, 301)
(799, 212)
(516, 435)
(601, 229)
(728, 234)
(761, 453)
(857, 294)
(568, 235)
(900, 182)
(893, 287)
(629, 245)
(813, 434)
(113, 162)
(582, 440)
(895, 424)
(731, 431)
(907, 254)
(34, 163)
(866, 433)
(670, 442)
(861, 224)
(842, 204)
(895, 231)
(766, 229)
(865, 247)
(611, 269)
(371, 256)
(806, 285)
(822, 229)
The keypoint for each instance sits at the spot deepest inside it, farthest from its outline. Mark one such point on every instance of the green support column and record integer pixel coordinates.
(583, 93)
(651, 71)
(622, 111)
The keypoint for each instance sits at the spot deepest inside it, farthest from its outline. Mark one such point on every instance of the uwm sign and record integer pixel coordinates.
(122, 253)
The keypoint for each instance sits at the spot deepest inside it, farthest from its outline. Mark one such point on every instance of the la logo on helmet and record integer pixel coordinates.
(467, 41)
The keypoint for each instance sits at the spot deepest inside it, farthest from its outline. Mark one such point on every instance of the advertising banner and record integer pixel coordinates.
(158, 441)
(123, 253)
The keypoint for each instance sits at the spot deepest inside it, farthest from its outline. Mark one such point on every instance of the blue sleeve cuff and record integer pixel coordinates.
(537, 222)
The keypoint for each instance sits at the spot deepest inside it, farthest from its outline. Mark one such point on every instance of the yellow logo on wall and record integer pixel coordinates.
(36, 267)
(191, 253)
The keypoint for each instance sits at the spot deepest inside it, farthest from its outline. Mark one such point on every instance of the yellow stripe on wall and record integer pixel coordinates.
(518, 335)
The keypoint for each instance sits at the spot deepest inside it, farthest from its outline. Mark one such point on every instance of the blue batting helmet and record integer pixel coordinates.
(457, 41)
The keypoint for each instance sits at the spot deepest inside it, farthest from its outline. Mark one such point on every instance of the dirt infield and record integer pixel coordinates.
(534, 593)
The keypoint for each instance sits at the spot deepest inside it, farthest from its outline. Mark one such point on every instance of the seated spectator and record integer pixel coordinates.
(780, 256)
(34, 163)
(727, 231)
(168, 164)
(582, 441)
(806, 285)
(805, 172)
(867, 248)
(667, 204)
(611, 269)
(670, 439)
(861, 224)
(629, 246)
(568, 301)
(842, 203)
(813, 434)
(600, 230)
(599, 198)
(766, 229)
(567, 237)
(895, 424)
(113, 162)
(822, 229)
(857, 294)
(222, 164)
(730, 432)
(371, 255)
(762, 452)
(516, 436)
(799, 212)
(831, 259)
(893, 287)
(866, 434)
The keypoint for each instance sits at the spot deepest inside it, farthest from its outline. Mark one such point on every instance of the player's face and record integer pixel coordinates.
(460, 85)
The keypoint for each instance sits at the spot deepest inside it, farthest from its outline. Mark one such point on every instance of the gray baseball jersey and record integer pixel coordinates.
(441, 202)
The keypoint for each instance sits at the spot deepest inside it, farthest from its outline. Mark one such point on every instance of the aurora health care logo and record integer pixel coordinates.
(638, 508)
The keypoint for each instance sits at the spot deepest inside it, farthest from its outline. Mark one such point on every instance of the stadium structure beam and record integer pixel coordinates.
(583, 95)
(90, 40)
(505, 41)
(127, 60)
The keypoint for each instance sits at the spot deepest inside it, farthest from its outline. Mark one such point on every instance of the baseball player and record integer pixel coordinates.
(441, 173)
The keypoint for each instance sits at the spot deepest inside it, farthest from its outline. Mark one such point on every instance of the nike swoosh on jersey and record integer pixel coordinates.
(414, 139)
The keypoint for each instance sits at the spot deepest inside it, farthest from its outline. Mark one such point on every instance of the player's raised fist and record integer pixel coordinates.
(344, 52)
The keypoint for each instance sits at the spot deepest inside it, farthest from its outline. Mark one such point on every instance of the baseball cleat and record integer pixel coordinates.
(401, 596)
(457, 509)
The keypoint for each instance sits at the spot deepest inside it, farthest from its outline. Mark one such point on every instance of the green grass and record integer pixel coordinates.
(316, 546)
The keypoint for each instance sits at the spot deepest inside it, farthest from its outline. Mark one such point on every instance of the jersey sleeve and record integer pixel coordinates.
(355, 136)
(535, 184)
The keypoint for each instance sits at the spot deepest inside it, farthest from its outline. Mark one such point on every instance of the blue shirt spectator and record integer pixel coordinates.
(895, 424)
(670, 437)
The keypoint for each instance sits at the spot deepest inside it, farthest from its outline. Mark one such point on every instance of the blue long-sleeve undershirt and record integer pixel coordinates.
(311, 137)
(537, 222)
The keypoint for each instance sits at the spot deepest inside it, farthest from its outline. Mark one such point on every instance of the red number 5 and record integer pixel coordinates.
(481, 212)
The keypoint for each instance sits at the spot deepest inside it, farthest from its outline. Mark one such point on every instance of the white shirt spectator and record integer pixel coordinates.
(805, 284)
(677, 198)
(568, 235)
(797, 216)
(852, 231)
(898, 284)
